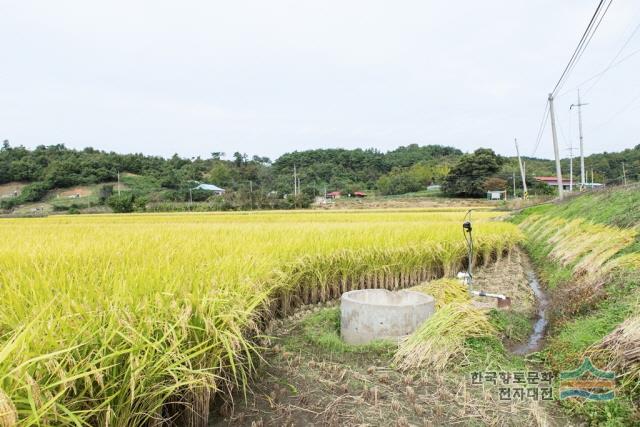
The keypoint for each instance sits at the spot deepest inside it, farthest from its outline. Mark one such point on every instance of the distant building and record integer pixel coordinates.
(334, 195)
(496, 195)
(359, 194)
(434, 187)
(566, 183)
(210, 187)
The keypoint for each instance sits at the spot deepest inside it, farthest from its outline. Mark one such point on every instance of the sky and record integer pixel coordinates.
(269, 77)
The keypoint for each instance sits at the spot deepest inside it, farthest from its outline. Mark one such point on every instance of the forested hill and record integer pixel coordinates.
(56, 166)
(405, 169)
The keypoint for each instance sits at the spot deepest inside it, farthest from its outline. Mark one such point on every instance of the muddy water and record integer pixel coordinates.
(534, 342)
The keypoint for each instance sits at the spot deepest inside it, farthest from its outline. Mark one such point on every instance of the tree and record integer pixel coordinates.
(494, 183)
(105, 192)
(121, 204)
(399, 182)
(467, 177)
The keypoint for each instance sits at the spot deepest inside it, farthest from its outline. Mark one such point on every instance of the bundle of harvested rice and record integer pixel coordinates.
(442, 336)
(445, 291)
(621, 348)
(8, 415)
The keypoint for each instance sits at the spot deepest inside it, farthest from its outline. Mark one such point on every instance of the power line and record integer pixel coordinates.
(635, 52)
(582, 44)
(614, 59)
(619, 112)
(543, 124)
(594, 30)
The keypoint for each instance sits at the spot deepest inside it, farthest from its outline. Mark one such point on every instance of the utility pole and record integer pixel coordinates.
(582, 170)
(524, 181)
(118, 183)
(190, 199)
(592, 181)
(570, 150)
(555, 147)
(251, 193)
(295, 181)
(624, 174)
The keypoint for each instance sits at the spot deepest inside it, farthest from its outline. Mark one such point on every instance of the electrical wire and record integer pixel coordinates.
(596, 19)
(593, 32)
(613, 60)
(635, 52)
(543, 124)
(619, 112)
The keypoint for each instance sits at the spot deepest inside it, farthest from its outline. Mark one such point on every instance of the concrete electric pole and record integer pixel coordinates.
(582, 171)
(555, 147)
(524, 181)
(570, 150)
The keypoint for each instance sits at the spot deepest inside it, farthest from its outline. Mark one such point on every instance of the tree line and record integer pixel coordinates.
(258, 182)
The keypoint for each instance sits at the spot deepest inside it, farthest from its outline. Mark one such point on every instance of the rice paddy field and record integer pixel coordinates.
(132, 319)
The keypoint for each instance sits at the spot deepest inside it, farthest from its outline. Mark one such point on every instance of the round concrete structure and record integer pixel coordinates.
(370, 314)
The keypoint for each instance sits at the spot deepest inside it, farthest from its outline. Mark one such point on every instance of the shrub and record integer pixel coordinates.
(121, 203)
(33, 192)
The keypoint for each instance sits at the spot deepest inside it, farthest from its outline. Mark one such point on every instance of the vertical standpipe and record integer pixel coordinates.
(466, 229)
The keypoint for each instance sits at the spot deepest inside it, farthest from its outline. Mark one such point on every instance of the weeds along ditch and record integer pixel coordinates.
(587, 252)
(140, 319)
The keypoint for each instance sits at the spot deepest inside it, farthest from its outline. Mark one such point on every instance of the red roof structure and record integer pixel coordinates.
(552, 180)
(360, 194)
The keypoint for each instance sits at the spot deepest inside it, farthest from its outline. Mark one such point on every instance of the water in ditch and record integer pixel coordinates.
(535, 341)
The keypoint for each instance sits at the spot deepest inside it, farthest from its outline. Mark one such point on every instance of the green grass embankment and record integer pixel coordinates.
(587, 252)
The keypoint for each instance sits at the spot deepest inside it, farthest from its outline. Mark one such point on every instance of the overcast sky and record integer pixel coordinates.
(267, 77)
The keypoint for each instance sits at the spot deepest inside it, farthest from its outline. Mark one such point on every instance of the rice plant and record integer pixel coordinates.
(442, 337)
(123, 319)
(444, 291)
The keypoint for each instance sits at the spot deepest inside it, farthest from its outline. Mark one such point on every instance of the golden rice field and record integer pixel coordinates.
(124, 319)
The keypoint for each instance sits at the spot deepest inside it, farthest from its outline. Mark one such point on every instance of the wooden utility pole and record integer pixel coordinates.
(555, 147)
(624, 174)
(582, 170)
(295, 181)
(118, 183)
(524, 181)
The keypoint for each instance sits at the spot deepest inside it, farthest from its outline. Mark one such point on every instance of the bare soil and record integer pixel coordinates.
(403, 202)
(80, 191)
(10, 188)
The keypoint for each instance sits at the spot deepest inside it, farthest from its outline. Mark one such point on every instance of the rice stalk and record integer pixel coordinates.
(127, 315)
(442, 337)
(620, 350)
(444, 291)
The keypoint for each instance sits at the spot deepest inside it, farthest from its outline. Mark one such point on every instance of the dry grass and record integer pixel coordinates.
(621, 351)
